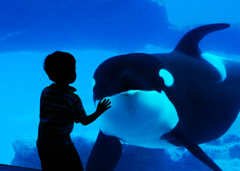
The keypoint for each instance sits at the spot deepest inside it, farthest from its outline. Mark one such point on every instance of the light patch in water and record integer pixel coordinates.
(217, 63)
(167, 76)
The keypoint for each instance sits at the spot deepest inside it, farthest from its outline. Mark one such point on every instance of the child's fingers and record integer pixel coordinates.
(105, 104)
(109, 107)
(108, 104)
(105, 101)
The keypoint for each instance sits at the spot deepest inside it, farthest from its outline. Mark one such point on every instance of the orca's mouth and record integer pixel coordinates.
(130, 92)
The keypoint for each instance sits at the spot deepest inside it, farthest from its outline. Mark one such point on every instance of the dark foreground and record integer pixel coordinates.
(4, 167)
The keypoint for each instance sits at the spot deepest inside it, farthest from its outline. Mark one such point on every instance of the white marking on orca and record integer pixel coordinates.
(217, 63)
(93, 82)
(167, 76)
(140, 118)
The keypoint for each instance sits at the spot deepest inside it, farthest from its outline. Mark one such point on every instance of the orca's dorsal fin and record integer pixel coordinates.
(189, 42)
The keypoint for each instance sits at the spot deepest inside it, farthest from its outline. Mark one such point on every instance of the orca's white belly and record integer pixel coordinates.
(140, 118)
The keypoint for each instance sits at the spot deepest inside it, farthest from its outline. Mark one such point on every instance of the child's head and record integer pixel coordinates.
(60, 67)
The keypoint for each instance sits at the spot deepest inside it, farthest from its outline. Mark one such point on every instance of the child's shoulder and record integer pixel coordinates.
(64, 91)
(61, 89)
(72, 91)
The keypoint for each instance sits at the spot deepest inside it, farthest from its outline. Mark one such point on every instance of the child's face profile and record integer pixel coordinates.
(69, 77)
(72, 77)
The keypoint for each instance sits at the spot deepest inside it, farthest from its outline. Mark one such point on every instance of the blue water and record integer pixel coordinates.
(93, 31)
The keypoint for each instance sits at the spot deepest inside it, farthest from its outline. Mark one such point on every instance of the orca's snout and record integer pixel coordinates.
(130, 92)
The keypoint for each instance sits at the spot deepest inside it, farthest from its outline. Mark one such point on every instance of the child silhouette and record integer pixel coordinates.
(60, 107)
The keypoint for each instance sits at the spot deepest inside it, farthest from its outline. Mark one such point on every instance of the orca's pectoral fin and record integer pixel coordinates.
(181, 138)
(105, 154)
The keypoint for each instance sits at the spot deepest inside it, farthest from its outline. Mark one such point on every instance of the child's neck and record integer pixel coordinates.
(62, 84)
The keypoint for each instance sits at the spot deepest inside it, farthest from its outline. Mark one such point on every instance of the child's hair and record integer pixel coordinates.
(59, 65)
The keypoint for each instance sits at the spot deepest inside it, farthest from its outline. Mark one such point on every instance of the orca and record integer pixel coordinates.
(179, 99)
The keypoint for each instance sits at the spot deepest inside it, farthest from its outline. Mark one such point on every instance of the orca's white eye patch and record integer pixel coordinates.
(167, 76)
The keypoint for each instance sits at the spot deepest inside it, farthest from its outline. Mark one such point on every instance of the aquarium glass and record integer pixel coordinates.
(93, 31)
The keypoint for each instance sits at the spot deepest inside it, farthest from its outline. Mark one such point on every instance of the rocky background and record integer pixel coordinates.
(224, 151)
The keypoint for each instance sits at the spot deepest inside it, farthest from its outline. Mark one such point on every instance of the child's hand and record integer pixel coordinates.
(103, 106)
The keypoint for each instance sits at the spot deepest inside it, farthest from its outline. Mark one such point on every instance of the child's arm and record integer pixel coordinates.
(101, 107)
